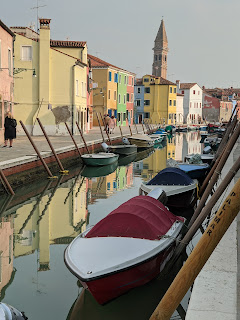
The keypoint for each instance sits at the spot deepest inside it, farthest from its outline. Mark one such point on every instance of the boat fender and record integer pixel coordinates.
(105, 147)
(8, 312)
(125, 140)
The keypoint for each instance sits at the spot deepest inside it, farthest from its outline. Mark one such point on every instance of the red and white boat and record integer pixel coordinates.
(126, 249)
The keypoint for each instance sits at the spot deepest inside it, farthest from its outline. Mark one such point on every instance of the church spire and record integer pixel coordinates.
(159, 67)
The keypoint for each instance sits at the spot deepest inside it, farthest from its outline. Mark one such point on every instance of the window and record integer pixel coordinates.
(108, 186)
(190, 104)
(115, 95)
(147, 102)
(26, 53)
(175, 90)
(109, 76)
(160, 57)
(197, 104)
(199, 93)
(182, 91)
(200, 105)
(127, 97)
(132, 81)
(118, 116)
(125, 80)
(120, 78)
(155, 57)
(138, 90)
(124, 116)
(138, 103)
(147, 90)
(146, 115)
(77, 88)
(109, 94)
(146, 80)
(170, 89)
(115, 77)
(170, 103)
(165, 58)
(82, 89)
(131, 97)
(119, 98)
(124, 99)
(194, 91)
(174, 103)
(5, 107)
(9, 62)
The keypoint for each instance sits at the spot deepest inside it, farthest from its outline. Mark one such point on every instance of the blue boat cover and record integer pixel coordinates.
(171, 177)
(193, 167)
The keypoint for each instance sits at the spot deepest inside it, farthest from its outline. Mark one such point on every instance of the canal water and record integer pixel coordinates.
(39, 222)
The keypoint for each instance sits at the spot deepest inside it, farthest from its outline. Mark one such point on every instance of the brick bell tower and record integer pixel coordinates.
(160, 52)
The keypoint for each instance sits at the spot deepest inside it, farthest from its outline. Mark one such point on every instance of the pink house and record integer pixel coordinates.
(130, 99)
(6, 73)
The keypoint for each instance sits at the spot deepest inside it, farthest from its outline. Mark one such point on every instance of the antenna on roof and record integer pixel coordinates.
(37, 7)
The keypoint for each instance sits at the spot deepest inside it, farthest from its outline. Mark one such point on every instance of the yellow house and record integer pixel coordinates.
(50, 81)
(105, 76)
(160, 97)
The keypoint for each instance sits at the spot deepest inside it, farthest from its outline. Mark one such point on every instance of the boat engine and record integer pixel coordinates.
(125, 140)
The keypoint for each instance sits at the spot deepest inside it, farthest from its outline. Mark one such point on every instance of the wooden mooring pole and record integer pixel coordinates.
(106, 129)
(143, 128)
(36, 149)
(120, 128)
(84, 141)
(199, 256)
(6, 184)
(75, 143)
(51, 147)
(130, 129)
(100, 127)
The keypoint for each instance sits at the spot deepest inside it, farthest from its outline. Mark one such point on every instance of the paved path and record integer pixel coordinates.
(23, 148)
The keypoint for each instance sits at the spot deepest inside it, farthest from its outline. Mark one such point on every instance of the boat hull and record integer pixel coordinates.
(107, 288)
(194, 171)
(141, 143)
(91, 160)
(124, 150)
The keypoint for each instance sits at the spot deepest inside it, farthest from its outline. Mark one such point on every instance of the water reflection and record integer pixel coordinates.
(42, 218)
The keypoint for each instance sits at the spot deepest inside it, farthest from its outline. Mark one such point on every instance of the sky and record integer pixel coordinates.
(203, 35)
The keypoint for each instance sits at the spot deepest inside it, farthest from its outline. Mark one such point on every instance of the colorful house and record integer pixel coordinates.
(160, 97)
(139, 101)
(6, 73)
(112, 85)
(52, 85)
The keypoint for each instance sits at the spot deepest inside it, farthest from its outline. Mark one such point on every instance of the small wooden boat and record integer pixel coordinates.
(123, 149)
(126, 249)
(178, 186)
(141, 141)
(99, 159)
(213, 142)
(157, 138)
(161, 132)
(206, 158)
(194, 171)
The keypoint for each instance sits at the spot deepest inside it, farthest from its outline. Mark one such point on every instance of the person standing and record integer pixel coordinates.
(107, 120)
(112, 124)
(9, 129)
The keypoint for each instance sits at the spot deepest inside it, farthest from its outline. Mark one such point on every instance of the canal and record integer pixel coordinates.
(43, 218)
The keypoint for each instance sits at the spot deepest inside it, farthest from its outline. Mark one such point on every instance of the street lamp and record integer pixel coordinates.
(18, 70)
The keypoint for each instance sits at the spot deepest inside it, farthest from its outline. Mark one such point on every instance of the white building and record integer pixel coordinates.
(192, 102)
(179, 109)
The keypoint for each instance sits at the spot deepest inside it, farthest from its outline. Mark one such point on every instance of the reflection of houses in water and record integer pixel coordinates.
(153, 164)
(171, 140)
(193, 139)
(6, 253)
(104, 187)
(55, 218)
(179, 147)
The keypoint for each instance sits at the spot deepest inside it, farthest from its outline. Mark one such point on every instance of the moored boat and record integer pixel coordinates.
(99, 171)
(99, 159)
(124, 149)
(126, 249)
(195, 171)
(141, 141)
(206, 158)
(157, 138)
(178, 186)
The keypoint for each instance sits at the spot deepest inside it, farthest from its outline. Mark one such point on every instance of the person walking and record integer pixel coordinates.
(112, 124)
(107, 120)
(9, 129)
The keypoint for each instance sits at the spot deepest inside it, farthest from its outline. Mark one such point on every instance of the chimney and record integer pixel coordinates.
(178, 85)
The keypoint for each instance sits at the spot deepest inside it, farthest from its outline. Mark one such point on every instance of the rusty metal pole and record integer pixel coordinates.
(100, 127)
(73, 139)
(104, 123)
(143, 128)
(51, 147)
(36, 149)
(136, 127)
(130, 129)
(6, 184)
(82, 137)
